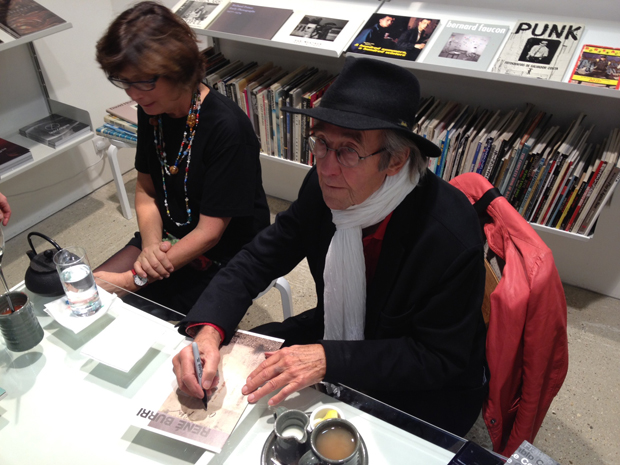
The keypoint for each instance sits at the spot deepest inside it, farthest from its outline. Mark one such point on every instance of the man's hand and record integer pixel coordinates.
(153, 261)
(292, 368)
(419, 46)
(208, 340)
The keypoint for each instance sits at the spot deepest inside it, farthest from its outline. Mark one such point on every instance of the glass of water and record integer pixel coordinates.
(77, 281)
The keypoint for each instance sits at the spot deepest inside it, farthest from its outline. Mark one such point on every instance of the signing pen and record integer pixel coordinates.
(198, 366)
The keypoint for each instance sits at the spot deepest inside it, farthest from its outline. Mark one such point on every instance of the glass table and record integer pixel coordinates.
(65, 407)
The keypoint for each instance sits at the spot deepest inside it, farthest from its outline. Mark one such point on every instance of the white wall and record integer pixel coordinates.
(73, 77)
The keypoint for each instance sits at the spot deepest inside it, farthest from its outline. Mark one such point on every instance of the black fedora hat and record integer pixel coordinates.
(372, 94)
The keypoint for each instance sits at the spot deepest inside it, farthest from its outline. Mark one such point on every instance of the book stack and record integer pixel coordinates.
(121, 122)
(552, 177)
(54, 130)
(261, 91)
(12, 156)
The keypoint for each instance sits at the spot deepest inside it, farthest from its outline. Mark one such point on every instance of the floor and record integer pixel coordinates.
(583, 423)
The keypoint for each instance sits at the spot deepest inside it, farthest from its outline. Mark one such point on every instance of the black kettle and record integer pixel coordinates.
(41, 276)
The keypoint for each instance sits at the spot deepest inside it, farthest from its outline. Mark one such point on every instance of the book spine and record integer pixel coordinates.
(521, 183)
(587, 196)
(533, 182)
(599, 202)
(121, 123)
(538, 188)
(107, 132)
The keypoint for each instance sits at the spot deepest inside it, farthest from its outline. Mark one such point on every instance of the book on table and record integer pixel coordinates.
(54, 130)
(12, 156)
(539, 49)
(127, 111)
(120, 123)
(22, 17)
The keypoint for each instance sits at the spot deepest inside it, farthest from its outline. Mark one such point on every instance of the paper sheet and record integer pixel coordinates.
(126, 340)
(59, 310)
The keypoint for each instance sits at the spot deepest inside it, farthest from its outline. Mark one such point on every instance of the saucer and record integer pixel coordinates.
(268, 456)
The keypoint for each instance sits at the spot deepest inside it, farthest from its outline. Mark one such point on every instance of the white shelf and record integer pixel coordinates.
(40, 152)
(9, 42)
(558, 232)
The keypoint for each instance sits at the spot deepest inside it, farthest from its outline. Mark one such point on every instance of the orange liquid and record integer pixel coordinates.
(335, 443)
(7, 311)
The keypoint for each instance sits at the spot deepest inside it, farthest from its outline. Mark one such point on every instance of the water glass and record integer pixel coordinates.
(77, 281)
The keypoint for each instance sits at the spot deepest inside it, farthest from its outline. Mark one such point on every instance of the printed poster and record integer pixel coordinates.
(163, 408)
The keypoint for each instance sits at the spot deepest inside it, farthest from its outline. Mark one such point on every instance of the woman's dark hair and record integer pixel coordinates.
(153, 40)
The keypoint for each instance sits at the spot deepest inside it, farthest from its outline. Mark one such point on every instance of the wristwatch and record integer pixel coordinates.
(140, 281)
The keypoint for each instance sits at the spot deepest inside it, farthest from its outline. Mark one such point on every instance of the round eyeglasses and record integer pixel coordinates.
(346, 156)
(140, 85)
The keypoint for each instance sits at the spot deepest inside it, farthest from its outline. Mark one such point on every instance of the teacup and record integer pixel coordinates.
(291, 430)
(333, 442)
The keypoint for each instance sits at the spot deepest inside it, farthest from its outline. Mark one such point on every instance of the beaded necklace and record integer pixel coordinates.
(184, 151)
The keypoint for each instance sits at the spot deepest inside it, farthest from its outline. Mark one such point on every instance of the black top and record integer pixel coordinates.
(224, 173)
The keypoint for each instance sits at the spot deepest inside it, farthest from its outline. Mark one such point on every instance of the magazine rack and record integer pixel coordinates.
(483, 88)
(24, 97)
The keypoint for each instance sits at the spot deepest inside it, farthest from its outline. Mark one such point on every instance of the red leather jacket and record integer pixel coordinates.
(527, 346)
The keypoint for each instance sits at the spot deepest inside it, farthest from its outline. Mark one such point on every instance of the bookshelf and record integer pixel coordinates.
(589, 262)
(24, 97)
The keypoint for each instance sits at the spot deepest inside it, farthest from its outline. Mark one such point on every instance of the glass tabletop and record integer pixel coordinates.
(74, 401)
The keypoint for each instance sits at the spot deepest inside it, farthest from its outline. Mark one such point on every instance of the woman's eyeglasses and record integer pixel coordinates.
(140, 85)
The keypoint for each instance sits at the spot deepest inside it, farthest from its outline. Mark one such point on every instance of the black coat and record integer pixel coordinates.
(425, 336)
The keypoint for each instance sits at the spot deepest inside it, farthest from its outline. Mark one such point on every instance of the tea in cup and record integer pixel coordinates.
(333, 442)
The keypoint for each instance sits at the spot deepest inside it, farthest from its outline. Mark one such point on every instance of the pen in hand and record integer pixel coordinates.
(198, 367)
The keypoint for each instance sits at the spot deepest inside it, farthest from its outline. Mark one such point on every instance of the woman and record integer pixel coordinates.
(199, 195)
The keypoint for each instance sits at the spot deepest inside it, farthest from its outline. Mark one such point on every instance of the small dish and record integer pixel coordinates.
(323, 413)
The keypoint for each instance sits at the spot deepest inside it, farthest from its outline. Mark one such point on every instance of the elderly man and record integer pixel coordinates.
(397, 259)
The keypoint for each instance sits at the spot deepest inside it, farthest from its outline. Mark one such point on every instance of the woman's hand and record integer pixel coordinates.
(153, 262)
(111, 282)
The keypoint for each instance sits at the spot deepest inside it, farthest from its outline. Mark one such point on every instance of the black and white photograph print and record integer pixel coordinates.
(319, 28)
(464, 47)
(539, 51)
(195, 12)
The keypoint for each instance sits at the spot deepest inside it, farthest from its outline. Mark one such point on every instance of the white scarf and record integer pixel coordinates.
(344, 276)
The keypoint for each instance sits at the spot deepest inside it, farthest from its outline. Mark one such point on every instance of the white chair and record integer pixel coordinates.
(282, 285)
(111, 146)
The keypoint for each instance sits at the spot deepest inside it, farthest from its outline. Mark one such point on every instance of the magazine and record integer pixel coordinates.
(12, 155)
(54, 130)
(394, 36)
(541, 50)
(164, 409)
(247, 20)
(597, 66)
(197, 13)
(467, 45)
(21, 17)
